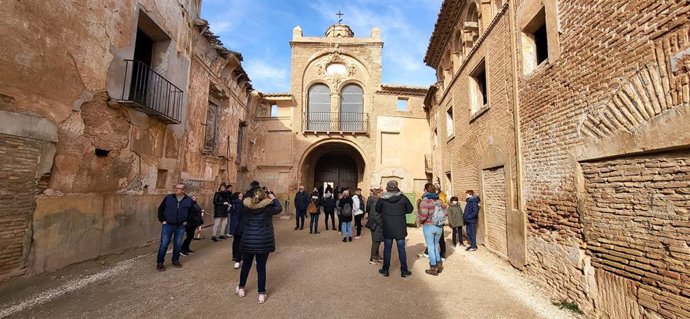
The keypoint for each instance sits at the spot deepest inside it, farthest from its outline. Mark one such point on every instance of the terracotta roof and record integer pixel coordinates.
(448, 17)
(281, 94)
(409, 89)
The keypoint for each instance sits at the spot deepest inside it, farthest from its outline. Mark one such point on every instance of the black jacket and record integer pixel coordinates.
(194, 219)
(257, 222)
(302, 200)
(328, 204)
(220, 210)
(173, 212)
(393, 208)
(341, 204)
(374, 215)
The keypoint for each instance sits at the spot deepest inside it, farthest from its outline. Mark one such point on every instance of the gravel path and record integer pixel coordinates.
(310, 276)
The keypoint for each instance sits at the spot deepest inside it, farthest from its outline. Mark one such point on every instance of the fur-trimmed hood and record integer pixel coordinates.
(250, 205)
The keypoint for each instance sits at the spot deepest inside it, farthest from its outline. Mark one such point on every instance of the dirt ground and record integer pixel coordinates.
(309, 276)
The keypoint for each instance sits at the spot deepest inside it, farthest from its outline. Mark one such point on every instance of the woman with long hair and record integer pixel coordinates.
(258, 238)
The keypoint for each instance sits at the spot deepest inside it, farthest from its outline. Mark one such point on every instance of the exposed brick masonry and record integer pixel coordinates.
(637, 226)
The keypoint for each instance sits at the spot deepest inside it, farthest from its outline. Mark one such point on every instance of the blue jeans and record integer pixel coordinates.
(346, 229)
(387, 250)
(313, 223)
(166, 234)
(432, 234)
(472, 234)
(261, 260)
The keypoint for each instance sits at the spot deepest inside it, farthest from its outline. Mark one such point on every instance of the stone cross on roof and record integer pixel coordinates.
(340, 16)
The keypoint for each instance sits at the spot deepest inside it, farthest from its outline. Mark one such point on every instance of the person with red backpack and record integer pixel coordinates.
(345, 215)
(314, 212)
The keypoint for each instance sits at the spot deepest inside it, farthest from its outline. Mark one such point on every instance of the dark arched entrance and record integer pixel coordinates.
(336, 169)
(336, 163)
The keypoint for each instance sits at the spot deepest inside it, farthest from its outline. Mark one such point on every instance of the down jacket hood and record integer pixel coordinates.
(391, 197)
(251, 206)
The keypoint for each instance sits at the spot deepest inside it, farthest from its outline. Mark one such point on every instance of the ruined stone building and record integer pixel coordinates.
(569, 118)
(100, 116)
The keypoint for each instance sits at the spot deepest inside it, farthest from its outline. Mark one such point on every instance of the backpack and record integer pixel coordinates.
(312, 209)
(439, 216)
(347, 210)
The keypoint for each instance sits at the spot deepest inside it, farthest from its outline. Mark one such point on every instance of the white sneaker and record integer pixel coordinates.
(237, 265)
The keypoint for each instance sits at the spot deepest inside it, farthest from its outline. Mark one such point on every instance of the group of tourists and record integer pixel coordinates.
(251, 227)
(386, 218)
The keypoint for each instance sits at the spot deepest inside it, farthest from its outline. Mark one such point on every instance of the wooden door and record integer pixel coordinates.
(340, 170)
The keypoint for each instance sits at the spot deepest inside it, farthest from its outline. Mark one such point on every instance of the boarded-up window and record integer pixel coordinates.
(390, 148)
(211, 134)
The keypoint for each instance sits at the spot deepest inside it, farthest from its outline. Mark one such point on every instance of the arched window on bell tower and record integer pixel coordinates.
(319, 108)
(352, 115)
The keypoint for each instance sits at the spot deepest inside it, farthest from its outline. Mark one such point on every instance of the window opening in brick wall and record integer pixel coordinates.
(449, 122)
(240, 141)
(535, 44)
(402, 104)
(211, 132)
(274, 110)
(435, 137)
(101, 152)
(478, 88)
(161, 177)
(449, 185)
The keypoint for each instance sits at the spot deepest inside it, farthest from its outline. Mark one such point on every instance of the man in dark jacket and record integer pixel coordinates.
(193, 221)
(470, 216)
(301, 204)
(393, 206)
(173, 214)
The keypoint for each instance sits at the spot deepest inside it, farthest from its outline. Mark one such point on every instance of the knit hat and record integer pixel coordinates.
(392, 186)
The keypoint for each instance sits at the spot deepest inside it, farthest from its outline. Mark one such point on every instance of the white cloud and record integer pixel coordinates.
(267, 77)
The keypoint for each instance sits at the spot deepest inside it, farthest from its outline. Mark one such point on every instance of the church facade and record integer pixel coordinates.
(340, 125)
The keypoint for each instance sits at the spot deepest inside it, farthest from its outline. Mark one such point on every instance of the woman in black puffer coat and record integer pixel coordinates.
(258, 239)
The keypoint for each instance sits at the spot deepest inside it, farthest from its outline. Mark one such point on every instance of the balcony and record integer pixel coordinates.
(335, 122)
(428, 164)
(149, 92)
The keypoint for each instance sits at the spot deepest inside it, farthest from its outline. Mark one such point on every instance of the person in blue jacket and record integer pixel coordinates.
(173, 213)
(301, 204)
(470, 216)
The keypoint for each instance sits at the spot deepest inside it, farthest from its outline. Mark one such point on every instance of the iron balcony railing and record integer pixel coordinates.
(149, 92)
(336, 122)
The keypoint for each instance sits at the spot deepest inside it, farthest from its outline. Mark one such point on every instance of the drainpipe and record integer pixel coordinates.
(516, 120)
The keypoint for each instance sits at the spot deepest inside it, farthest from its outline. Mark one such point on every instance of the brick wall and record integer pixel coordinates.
(637, 226)
(494, 187)
(603, 48)
(18, 187)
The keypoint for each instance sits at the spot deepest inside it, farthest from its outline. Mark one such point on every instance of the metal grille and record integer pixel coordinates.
(151, 93)
(336, 122)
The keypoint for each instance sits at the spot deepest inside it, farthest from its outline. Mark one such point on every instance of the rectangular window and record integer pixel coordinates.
(478, 88)
(402, 104)
(435, 137)
(535, 44)
(240, 141)
(211, 133)
(450, 130)
(161, 178)
(274, 110)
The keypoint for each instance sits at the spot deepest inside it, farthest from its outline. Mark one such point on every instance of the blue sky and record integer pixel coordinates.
(261, 31)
